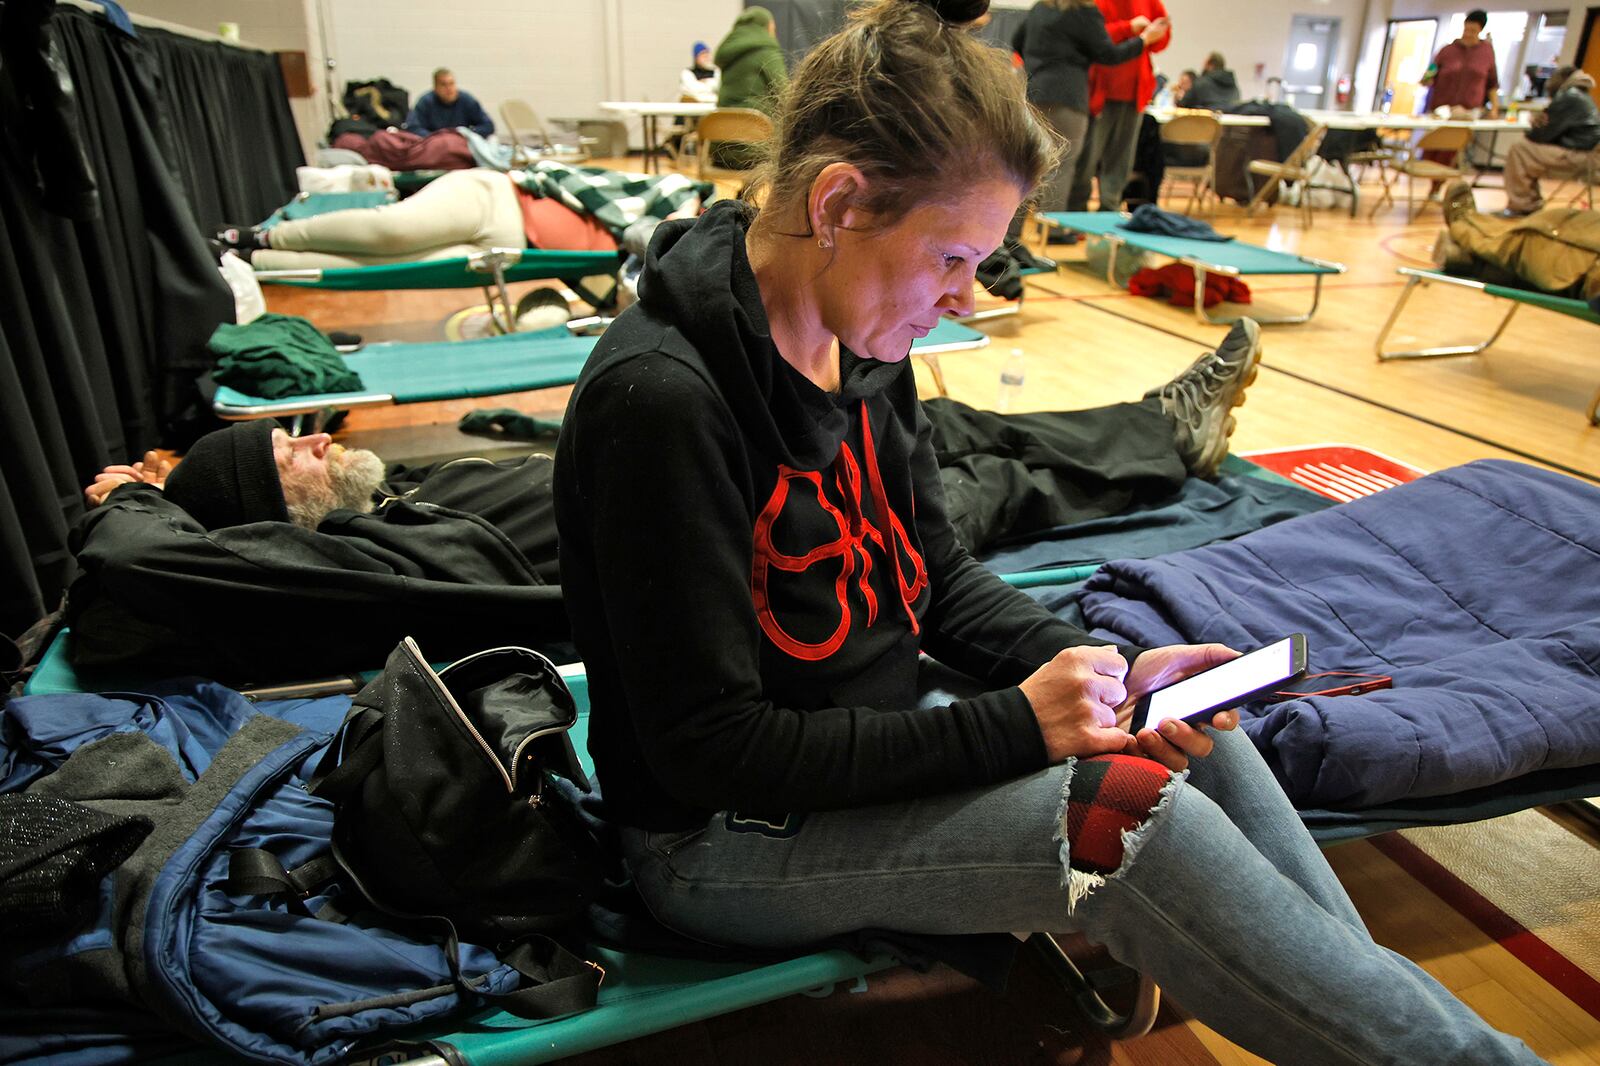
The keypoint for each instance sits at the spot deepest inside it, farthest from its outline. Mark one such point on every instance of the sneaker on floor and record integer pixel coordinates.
(1458, 201)
(1061, 236)
(1200, 398)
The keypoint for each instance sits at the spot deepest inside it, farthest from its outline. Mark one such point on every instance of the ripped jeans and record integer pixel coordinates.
(1221, 896)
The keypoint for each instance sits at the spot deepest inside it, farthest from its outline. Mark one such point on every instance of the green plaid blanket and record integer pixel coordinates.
(616, 199)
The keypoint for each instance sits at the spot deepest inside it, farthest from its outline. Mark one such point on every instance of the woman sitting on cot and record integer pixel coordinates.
(754, 548)
(459, 213)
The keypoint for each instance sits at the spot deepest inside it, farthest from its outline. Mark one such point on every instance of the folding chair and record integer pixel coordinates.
(1291, 169)
(1587, 176)
(1452, 139)
(730, 125)
(1199, 130)
(527, 130)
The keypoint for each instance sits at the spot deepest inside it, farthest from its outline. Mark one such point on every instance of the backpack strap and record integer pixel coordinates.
(559, 981)
(352, 754)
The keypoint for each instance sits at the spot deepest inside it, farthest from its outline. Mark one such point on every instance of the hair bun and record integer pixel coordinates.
(957, 11)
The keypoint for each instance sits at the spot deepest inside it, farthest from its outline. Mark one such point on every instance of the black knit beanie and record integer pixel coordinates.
(229, 477)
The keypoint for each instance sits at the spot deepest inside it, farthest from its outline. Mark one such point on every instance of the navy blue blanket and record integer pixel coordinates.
(1477, 588)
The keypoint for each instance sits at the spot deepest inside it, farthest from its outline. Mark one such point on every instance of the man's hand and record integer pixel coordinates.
(1138, 23)
(1154, 31)
(151, 470)
(1176, 742)
(1074, 697)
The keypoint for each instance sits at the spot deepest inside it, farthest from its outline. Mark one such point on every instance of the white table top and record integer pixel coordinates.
(1350, 120)
(1166, 114)
(650, 107)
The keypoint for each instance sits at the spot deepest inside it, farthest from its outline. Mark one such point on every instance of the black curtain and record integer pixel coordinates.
(227, 118)
(104, 315)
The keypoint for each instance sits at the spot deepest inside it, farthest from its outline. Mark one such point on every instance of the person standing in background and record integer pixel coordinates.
(447, 107)
(1463, 73)
(1058, 41)
(1118, 96)
(701, 79)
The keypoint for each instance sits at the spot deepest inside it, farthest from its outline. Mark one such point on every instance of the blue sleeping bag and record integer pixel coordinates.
(1477, 588)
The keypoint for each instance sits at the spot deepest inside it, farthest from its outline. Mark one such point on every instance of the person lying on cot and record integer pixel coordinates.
(467, 211)
(755, 548)
(252, 511)
(1554, 250)
(214, 566)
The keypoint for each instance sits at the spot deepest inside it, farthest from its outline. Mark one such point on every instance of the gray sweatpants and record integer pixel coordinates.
(1108, 155)
(459, 213)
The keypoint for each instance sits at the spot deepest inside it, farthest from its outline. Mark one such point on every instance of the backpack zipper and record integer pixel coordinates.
(416, 657)
(517, 755)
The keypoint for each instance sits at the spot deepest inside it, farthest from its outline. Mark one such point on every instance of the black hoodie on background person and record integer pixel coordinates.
(1214, 90)
(752, 564)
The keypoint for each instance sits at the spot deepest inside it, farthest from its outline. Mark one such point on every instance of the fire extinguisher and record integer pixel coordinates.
(1341, 91)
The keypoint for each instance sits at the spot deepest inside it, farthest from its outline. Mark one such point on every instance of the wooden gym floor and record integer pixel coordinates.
(1087, 345)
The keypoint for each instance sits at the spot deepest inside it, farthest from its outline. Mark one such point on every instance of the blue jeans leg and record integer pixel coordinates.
(1272, 956)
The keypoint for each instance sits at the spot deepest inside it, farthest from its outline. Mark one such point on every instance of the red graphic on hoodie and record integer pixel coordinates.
(852, 548)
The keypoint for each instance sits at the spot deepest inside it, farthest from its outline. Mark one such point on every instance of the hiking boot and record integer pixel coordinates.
(1200, 398)
(1450, 257)
(1458, 201)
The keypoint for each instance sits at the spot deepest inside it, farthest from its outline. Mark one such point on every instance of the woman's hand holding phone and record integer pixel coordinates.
(1176, 742)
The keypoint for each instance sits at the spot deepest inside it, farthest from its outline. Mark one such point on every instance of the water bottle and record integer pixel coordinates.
(1011, 378)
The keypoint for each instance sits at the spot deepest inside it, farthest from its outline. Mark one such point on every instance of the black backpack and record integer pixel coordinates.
(379, 101)
(445, 807)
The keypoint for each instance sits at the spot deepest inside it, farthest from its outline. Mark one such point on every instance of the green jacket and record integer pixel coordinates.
(753, 70)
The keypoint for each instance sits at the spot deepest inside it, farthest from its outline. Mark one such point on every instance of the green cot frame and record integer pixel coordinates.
(418, 372)
(1415, 279)
(1233, 258)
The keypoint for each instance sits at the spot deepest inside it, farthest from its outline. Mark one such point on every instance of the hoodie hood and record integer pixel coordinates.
(749, 34)
(1580, 80)
(1223, 78)
(697, 280)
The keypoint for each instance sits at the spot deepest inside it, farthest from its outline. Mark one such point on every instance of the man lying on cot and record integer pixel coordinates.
(1554, 250)
(256, 528)
(466, 211)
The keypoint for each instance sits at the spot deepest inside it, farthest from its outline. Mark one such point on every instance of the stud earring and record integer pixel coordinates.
(823, 242)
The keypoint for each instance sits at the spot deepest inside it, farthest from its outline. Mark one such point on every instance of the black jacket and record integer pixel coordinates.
(1057, 47)
(1573, 120)
(1215, 90)
(271, 602)
(752, 566)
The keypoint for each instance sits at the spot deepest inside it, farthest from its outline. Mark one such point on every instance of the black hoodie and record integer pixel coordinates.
(1214, 90)
(752, 564)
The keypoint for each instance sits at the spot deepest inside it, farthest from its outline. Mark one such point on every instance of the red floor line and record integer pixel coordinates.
(1565, 977)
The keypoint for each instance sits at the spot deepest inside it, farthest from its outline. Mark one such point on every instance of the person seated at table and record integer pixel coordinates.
(1561, 140)
(447, 107)
(700, 81)
(457, 214)
(1215, 89)
(1554, 249)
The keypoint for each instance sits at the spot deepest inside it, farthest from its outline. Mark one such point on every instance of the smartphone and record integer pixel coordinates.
(1195, 699)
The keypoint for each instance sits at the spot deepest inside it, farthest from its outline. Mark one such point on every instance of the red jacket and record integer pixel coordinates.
(1134, 80)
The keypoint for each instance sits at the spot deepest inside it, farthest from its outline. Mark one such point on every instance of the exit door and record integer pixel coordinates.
(1308, 62)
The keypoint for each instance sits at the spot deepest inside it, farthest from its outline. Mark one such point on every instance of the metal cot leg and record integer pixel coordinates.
(1135, 1023)
(1434, 353)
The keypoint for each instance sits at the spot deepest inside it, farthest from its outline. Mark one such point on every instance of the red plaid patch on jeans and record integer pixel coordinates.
(1109, 795)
